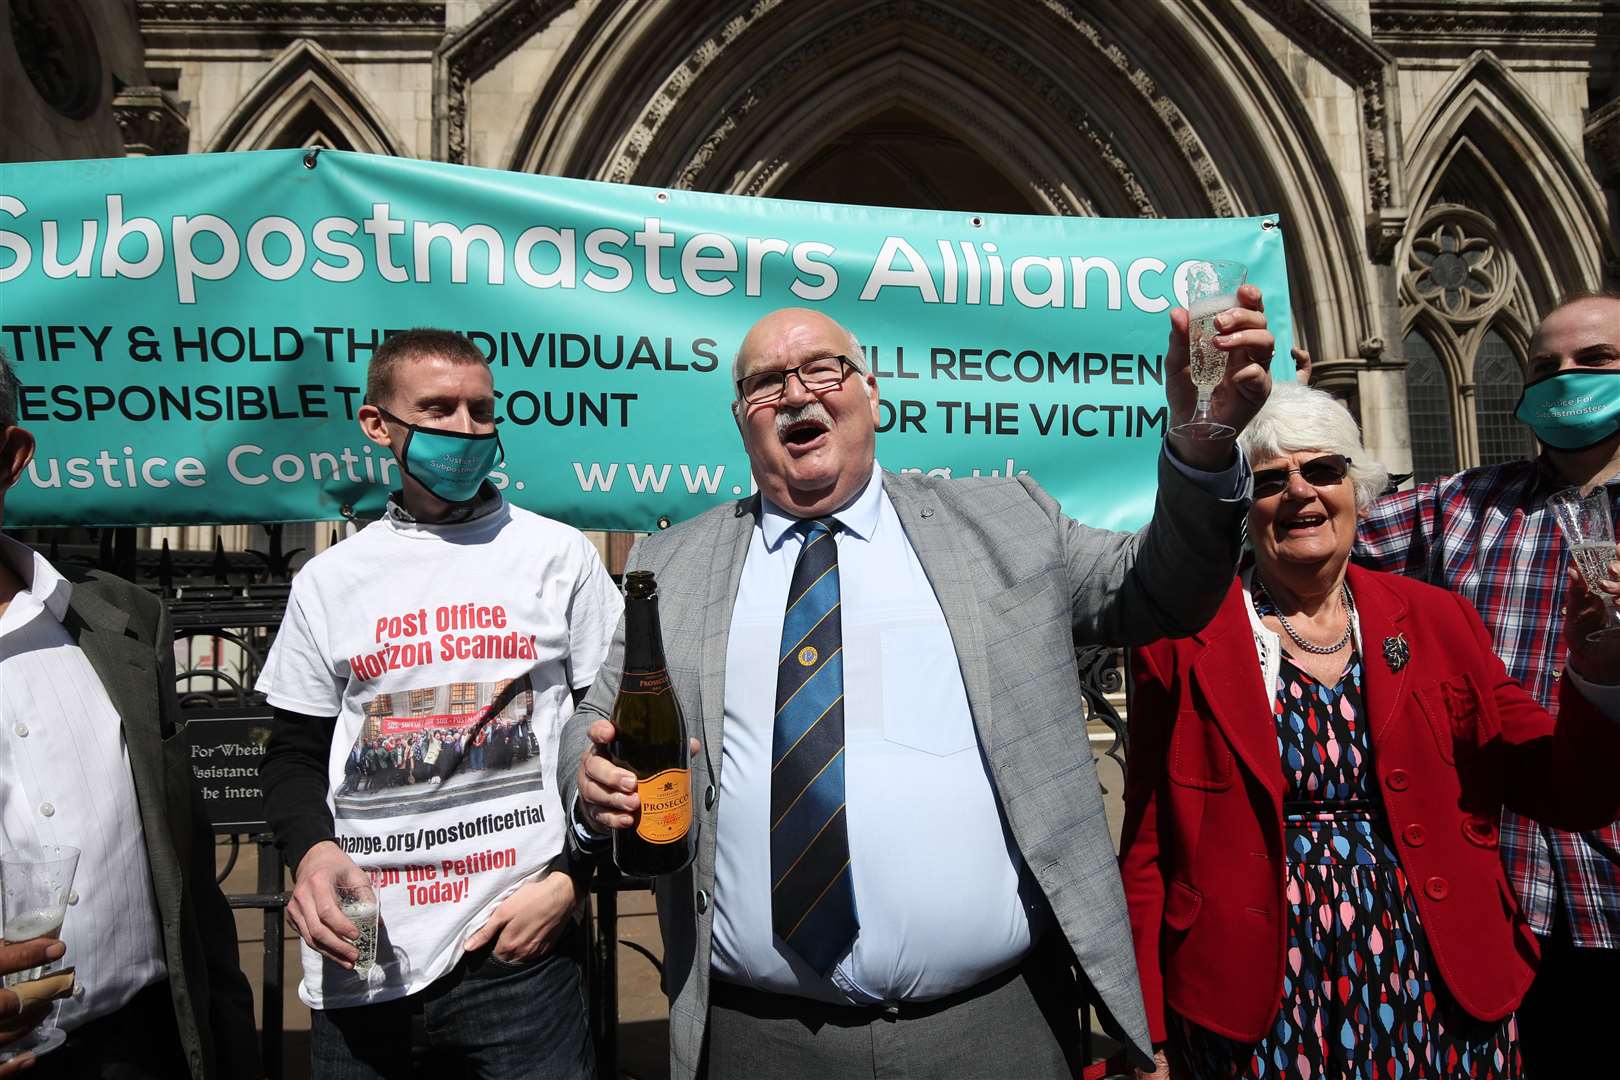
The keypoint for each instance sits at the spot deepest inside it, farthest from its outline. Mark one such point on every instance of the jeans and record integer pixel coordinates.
(486, 1019)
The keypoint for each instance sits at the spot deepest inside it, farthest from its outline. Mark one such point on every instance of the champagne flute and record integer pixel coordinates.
(359, 905)
(1587, 522)
(1212, 287)
(35, 883)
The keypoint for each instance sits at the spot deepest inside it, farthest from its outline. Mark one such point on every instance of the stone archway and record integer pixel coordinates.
(1486, 251)
(899, 157)
(1161, 108)
(1550, 216)
(740, 102)
(306, 98)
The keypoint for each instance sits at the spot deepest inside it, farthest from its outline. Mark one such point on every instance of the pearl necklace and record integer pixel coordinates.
(1320, 650)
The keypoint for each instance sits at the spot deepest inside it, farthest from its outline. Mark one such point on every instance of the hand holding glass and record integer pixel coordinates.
(1211, 289)
(1587, 522)
(35, 883)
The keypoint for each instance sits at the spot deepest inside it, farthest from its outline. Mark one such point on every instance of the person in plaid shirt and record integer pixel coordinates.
(1487, 534)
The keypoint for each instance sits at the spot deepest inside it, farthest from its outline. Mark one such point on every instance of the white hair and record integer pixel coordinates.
(1297, 417)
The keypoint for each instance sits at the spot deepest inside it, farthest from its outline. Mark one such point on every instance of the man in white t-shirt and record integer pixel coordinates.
(421, 677)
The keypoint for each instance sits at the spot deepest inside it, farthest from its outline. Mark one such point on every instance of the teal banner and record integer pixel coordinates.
(192, 333)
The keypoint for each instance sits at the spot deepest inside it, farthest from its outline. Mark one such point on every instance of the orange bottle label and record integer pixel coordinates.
(666, 806)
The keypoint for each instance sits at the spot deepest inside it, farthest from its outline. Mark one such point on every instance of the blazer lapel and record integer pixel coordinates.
(1227, 672)
(124, 666)
(927, 527)
(1383, 616)
(725, 576)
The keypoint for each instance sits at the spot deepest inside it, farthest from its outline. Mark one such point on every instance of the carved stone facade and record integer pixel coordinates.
(152, 121)
(62, 63)
(1405, 145)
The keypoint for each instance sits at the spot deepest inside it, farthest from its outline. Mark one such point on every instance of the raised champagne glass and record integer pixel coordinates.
(1212, 287)
(1586, 519)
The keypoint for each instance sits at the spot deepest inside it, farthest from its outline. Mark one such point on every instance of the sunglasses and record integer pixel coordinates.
(1324, 471)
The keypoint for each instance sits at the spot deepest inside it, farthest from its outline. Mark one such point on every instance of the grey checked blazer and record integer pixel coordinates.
(1015, 579)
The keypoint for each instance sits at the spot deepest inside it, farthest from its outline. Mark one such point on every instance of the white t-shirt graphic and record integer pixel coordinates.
(448, 654)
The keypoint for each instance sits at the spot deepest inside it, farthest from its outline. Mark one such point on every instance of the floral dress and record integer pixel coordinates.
(1360, 997)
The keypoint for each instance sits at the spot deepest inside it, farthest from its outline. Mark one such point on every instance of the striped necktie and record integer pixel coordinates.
(812, 895)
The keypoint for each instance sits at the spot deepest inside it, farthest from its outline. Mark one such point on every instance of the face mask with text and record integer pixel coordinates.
(452, 465)
(1573, 409)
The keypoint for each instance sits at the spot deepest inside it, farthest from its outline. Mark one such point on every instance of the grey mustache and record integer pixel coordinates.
(810, 410)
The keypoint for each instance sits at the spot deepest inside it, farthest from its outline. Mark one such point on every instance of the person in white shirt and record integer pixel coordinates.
(94, 755)
(420, 679)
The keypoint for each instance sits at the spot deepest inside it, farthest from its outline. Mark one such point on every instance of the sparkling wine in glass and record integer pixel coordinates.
(35, 883)
(359, 905)
(1587, 522)
(1212, 287)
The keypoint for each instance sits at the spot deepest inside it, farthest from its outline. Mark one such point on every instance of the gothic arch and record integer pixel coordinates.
(1550, 216)
(306, 96)
(1092, 107)
(702, 110)
(770, 147)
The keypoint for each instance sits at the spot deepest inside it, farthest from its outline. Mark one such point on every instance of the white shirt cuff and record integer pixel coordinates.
(1231, 484)
(1605, 697)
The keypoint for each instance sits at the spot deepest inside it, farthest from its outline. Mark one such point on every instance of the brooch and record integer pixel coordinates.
(1396, 652)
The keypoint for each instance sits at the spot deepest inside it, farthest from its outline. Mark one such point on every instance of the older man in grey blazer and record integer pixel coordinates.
(903, 867)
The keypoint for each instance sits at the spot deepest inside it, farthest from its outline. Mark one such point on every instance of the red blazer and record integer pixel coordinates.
(1454, 740)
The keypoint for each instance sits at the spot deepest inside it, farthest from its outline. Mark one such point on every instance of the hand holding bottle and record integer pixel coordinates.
(652, 816)
(607, 793)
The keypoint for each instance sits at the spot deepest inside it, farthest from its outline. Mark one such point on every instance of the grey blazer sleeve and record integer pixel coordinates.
(1165, 581)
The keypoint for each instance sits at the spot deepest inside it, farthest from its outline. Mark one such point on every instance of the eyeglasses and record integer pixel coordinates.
(1324, 471)
(822, 373)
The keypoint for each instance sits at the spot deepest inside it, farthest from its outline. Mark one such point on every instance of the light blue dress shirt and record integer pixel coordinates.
(940, 889)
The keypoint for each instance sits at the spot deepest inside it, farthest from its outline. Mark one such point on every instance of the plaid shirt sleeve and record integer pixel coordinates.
(1393, 535)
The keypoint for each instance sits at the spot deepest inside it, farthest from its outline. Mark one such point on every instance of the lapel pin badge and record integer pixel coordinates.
(1396, 652)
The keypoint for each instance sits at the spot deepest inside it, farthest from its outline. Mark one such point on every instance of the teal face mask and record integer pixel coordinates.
(1574, 409)
(450, 464)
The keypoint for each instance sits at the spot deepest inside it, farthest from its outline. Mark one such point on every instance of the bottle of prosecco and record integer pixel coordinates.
(650, 740)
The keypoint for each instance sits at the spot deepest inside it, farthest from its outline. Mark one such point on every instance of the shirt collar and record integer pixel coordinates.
(859, 516)
(488, 501)
(40, 579)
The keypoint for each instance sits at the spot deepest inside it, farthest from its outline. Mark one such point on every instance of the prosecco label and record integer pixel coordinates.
(666, 806)
(645, 683)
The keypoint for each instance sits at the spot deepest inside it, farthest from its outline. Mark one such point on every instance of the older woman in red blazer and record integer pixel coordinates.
(1310, 846)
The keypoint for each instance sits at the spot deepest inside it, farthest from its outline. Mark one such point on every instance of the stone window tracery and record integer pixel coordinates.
(1455, 272)
(1460, 291)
